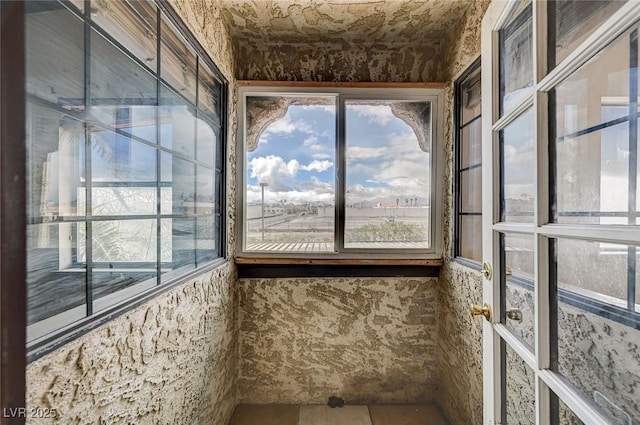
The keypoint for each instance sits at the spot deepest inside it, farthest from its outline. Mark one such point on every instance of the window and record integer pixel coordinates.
(333, 170)
(468, 166)
(125, 130)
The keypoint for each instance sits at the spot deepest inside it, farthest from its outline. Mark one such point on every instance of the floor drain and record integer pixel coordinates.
(335, 402)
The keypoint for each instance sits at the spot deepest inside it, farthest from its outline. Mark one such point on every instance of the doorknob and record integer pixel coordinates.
(486, 271)
(485, 311)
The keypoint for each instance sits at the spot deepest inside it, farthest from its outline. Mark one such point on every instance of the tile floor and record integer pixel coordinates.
(281, 414)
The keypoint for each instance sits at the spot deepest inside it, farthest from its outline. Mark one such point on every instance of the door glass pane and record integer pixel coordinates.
(520, 389)
(517, 277)
(597, 328)
(290, 175)
(518, 171)
(209, 96)
(594, 149)
(563, 415)
(516, 58)
(575, 20)
(387, 203)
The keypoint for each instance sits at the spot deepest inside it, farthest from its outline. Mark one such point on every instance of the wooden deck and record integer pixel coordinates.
(328, 246)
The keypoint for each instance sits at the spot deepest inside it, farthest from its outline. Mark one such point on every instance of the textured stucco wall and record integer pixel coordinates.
(399, 40)
(367, 340)
(173, 360)
(170, 361)
(345, 61)
(460, 335)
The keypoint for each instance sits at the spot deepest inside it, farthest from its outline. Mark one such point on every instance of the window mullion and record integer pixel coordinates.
(158, 151)
(340, 174)
(87, 152)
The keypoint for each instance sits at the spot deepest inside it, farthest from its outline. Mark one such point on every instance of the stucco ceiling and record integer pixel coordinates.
(406, 22)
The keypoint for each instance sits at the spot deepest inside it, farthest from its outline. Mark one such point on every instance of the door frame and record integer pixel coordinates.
(541, 229)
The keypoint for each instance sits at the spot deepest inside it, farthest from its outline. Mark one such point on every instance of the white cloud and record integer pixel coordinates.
(273, 170)
(285, 126)
(318, 166)
(380, 114)
(360, 152)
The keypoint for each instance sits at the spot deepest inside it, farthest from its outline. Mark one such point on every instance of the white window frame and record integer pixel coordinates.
(411, 92)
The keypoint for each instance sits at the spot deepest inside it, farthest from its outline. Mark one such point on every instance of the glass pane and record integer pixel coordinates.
(516, 59)
(575, 20)
(518, 287)
(132, 24)
(206, 143)
(124, 241)
(471, 190)
(178, 61)
(177, 124)
(54, 39)
(178, 247)
(597, 328)
(54, 164)
(471, 144)
(79, 4)
(205, 195)
(209, 96)
(290, 175)
(471, 237)
(56, 277)
(388, 167)
(593, 144)
(183, 186)
(564, 415)
(114, 285)
(205, 239)
(470, 97)
(123, 95)
(518, 169)
(520, 390)
(120, 160)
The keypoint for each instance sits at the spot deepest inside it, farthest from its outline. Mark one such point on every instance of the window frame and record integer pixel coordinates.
(433, 92)
(50, 341)
(457, 152)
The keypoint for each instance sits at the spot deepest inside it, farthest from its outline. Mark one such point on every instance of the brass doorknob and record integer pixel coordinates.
(486, 271)
(485, 311)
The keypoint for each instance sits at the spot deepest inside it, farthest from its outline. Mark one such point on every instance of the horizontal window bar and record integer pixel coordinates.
(470, 167)
(471, 121)
(598, 214)
(594, 128)
(469, 213)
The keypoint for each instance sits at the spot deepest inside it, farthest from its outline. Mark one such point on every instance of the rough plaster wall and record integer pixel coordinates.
(367, 340)
(174, 359)
(343, 61)
(170, 361)
(460, 335)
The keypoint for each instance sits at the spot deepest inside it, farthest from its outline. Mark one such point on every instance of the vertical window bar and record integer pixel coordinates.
(341, 184)
(195, 150)
(87, 153)
(633, 163)
(158, 152)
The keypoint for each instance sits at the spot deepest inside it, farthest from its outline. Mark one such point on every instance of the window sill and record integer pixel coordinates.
(255, 268)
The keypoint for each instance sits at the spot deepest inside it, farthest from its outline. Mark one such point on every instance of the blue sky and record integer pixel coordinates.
(296, 157)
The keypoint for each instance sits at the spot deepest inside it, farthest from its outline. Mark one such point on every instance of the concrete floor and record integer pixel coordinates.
(252, 414)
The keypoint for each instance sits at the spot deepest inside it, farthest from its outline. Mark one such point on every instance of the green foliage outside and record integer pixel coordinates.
(387, 232)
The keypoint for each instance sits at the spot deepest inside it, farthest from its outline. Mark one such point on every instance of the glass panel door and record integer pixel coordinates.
(561, 201)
